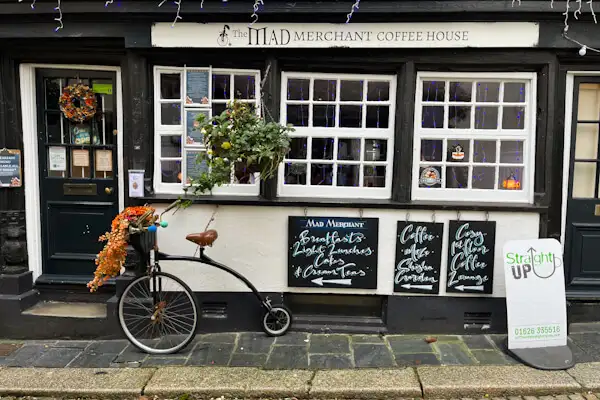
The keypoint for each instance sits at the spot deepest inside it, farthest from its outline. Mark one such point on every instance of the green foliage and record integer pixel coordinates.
(239, 140)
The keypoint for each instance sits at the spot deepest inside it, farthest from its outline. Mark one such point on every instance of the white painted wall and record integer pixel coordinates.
(254, 241)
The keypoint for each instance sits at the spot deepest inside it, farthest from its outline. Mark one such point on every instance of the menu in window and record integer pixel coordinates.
(193, 168)
(193, 135)
(196, 88)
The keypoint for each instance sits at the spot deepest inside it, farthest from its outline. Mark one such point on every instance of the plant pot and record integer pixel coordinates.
(143, 242)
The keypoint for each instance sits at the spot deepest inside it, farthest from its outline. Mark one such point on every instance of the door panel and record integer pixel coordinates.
(582, 236)
(78, 176)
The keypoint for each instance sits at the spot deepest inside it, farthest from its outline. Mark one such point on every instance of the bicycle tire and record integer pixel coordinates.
(136, 342)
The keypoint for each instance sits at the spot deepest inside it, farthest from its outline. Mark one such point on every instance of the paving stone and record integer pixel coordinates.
(588, 375)
(576, 397)
(478, 342)
(329, 344)
(411, 345)
(254, 343)
(26, 355)
(590, 396)
(589, 343)
(412, 360)
(579, 355)
(107, 346)
(131, 354)
(372, 355)
(447, 338)
(92, 360)
(374, 339)
(248, 360)
(500, 342)
(489, 357)
(287, 357)
(559, 397)
(292, 339)
(56, 358)
(211, 354)
(454, 354)
(7, 349)
(330, 361)
(72, 344)
(216, 338)
(154, 361)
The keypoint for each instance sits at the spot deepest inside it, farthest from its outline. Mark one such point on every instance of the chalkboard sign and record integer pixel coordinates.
(194, 136)
(10, 168)
(418, 257)
(193, 168)
(196, 88)
(471, 256)
(333, 252)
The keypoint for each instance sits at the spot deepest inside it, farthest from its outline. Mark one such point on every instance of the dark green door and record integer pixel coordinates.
(78, 172)
(582, 232)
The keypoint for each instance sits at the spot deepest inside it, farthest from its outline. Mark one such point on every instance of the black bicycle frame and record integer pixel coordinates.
(204, 259)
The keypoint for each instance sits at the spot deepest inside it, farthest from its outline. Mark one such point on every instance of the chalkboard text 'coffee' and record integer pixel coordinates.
(333, 252)
(471, 256)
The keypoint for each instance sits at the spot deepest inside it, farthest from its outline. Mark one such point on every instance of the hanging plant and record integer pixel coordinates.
(78, 102)
(241, 142)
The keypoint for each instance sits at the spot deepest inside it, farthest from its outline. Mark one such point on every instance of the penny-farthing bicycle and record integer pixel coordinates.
(158, 311)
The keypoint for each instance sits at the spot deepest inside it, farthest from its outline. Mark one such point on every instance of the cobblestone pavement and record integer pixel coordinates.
(292, 351)
(585, 396)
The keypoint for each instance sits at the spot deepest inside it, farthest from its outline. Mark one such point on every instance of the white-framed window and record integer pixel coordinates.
(344, 135)
(180, 94)
(474, 137)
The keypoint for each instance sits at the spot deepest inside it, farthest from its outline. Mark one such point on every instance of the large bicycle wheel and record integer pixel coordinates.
(158, 313)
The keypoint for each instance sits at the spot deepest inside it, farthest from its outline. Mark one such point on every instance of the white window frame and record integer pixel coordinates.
(252, 189)
(363, 134)
(528, 135)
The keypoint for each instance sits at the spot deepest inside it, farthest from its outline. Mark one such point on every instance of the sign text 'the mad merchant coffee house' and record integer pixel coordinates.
(381, 35)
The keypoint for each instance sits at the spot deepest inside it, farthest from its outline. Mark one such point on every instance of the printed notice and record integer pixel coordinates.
(57, 158)
(10, 168)
(104, 161)
(418, 257)
(136, 183)
(81, 158)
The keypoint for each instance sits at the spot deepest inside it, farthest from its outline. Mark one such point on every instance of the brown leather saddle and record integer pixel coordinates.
(203, 239)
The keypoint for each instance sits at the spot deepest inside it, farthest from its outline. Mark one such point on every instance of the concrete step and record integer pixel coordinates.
(68, 310)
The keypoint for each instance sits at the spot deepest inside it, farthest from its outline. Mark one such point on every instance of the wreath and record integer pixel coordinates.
(78, 102)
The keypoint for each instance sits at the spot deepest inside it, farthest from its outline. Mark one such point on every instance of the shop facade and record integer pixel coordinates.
(419, 150)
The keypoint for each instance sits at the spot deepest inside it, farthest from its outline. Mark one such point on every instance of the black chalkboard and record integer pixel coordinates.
(196, 87)
(333, 252)
(418, 257)
(10, 168)
(471, 256)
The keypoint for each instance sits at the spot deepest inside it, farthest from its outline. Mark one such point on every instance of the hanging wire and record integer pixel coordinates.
(577, 12)
(32, 3)
(354, 8)
(59, 18)
(254, 16)
(108, 2)
(177, 16)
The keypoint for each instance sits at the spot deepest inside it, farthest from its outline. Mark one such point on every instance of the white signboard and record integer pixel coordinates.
(136, 183)
(372, 35)
(535, 294)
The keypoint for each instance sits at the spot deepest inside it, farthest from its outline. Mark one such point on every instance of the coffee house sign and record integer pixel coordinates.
(383, 35)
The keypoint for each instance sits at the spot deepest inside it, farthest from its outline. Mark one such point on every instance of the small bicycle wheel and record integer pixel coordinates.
(158, 313)
(277, 321)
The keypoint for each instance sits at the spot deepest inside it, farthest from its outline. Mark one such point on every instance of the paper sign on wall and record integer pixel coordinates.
(535, 294)
(136, 183)
(57, 158)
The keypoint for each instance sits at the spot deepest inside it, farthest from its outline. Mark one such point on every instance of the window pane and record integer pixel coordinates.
(244, 86)
(586, 141)
(80, 163)
(348, 175)
(510, 178)
(221, 87)
(488, 92)
(459, 117)
(457, 177)
(431, 150)
(458, 150)
(584, 178)
(351, 90)
(378, 91)
(321, 174)
(430, 177)
(297, 149)
(295, 174)
(514, 92)
(351, 116)
(434, 90)
(298, 89)
(324, 115)
(375, 150)
(378, 116)
(511, 152)
(348, 149)
(324, 90)
(53, 128)
(485, 151)
(513, 118)
(170, 171)
(433, 117)
(170, 146)
(374, 176)
(588, 108)
(170, 86)
(486, 117)
(297, 114)
(483, 177)
(460, 91)
(170, 114)
(322, 149)
(53, 91)
(218, 108)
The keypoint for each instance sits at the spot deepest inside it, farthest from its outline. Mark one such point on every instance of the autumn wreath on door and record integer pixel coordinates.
(78, 102)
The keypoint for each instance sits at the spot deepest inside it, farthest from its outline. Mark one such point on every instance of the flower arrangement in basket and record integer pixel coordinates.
(241, 142)
(109, 261)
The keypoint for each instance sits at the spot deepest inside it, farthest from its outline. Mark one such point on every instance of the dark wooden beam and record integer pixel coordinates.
(403, 145)
(271, 99)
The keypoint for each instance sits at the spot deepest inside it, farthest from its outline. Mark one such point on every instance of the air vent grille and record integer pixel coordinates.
(478, 320)
(214, 310)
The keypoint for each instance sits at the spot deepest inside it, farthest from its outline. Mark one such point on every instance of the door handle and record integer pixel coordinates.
(108, 190)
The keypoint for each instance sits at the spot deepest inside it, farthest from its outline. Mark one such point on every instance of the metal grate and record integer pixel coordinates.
(477, 320)
(214, 310)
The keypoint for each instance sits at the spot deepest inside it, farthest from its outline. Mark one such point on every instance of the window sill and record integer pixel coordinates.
(344, 203)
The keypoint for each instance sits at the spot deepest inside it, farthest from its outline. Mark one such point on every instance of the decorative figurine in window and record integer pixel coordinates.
(511, 183)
